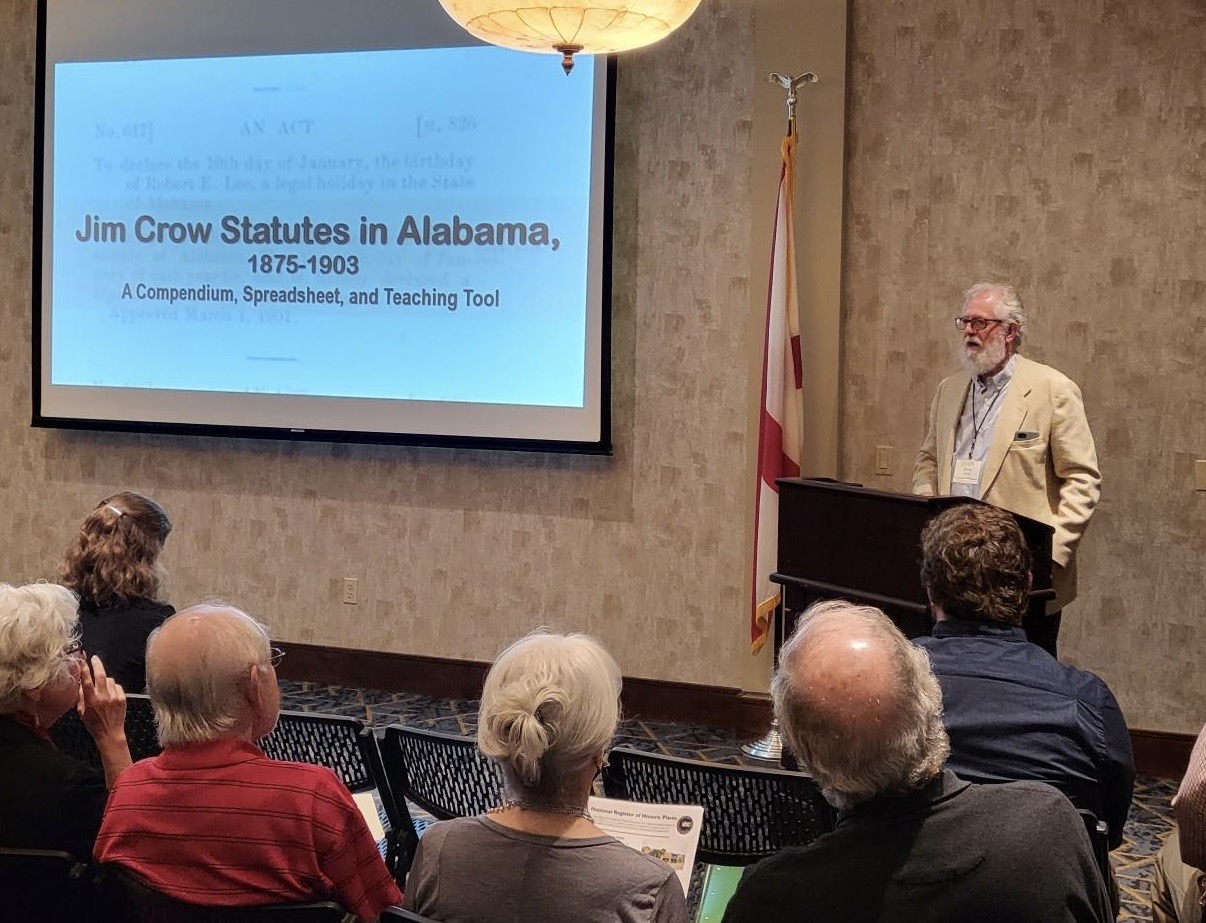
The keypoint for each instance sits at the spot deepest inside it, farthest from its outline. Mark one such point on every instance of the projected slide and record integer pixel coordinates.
(398, 225)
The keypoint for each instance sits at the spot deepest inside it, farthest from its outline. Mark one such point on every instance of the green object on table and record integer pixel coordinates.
(720, 881)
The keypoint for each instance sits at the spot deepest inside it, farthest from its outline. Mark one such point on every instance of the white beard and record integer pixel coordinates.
(991, 355)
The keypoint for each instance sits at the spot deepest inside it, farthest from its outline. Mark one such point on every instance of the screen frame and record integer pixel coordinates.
(40, 419)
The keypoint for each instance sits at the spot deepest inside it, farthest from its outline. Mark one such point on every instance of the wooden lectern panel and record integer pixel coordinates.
(847, 541)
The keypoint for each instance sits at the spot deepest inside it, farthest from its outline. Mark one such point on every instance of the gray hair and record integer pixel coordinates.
(200, 697)
(900, 750)
(36, 622)
(550, 705)
(1008, 306)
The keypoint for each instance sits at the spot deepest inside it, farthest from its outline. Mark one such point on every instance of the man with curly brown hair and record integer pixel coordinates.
(1012, 710)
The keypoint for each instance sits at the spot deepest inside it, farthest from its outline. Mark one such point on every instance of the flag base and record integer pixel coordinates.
(767, 747)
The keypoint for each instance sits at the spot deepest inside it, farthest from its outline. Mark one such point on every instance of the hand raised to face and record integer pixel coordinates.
(102, 703)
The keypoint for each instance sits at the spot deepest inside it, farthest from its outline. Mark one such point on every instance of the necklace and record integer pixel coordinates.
(554, 808)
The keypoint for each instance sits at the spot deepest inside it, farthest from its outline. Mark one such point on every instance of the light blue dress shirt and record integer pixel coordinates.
(978, 421)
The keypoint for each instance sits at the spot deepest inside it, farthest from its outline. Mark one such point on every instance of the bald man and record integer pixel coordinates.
(212, 820)
(862, 711)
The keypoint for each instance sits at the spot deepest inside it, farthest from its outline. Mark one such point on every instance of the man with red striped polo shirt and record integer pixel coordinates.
(212, 820)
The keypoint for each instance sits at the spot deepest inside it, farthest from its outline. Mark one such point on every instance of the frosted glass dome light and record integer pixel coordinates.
(568, 27)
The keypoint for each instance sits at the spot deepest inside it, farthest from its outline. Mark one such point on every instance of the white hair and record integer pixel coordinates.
(550, 705)
(36, 622)
(200, 697)
(1008, 304)
(853, 760)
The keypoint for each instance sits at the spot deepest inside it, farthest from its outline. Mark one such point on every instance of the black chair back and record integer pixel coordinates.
(39, 884)
(72, 738)
(749, 813)
(151, 906)
(444, 774)
(326, 740)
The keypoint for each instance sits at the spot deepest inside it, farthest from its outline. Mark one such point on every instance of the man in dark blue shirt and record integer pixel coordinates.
(1011, 709)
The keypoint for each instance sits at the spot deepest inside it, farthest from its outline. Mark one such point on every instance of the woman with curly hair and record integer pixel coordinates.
(113, 564)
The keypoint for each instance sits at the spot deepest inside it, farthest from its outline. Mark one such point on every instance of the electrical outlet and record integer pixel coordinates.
(883, 459)
(351, 595)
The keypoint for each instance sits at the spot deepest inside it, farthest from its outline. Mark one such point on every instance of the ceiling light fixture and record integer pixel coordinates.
(568, 28)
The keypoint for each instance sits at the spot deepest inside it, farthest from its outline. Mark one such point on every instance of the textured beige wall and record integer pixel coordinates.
(1059, 144)
(794, 36)
(457, 552)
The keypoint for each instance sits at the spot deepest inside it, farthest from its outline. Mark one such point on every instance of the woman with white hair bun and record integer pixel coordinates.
(47, 799)
(549, 710)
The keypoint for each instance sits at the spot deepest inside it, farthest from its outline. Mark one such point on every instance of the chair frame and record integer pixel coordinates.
(151, 906)
(401, 836)
(73, 880)
(444, 774)
(408, 916)
(749, 812)
(1099, 840)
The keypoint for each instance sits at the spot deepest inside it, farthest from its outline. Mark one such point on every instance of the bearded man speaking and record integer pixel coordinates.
(1013, 433)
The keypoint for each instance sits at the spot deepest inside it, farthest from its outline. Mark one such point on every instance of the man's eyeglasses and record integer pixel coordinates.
(275, 656)
(73, 649)
(976, 324)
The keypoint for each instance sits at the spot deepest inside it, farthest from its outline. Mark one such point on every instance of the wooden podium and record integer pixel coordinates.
(850, 542)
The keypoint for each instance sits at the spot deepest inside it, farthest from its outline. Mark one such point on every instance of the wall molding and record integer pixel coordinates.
(1157, 753)
(1161, 753)
(651, 699)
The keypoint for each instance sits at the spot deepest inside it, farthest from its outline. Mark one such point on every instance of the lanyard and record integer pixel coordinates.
(977, 424)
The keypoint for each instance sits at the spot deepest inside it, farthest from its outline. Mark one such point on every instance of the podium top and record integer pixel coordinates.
(848, 487)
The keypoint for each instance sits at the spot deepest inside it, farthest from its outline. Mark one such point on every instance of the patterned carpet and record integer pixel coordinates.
(1147, 826)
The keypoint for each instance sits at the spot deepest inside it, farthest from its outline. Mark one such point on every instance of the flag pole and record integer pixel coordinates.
(770, 746)
(791, 85)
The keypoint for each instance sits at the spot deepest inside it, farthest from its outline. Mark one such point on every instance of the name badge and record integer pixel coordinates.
(967, 471)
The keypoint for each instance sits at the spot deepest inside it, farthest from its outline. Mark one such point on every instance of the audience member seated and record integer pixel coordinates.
(47, 799)
(549, 710)
(1011, 709)
(113, 565)
(862, 711)
(212, 820)
(1179, 885)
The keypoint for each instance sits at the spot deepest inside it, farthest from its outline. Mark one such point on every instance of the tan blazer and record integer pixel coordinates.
(1042, 462)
